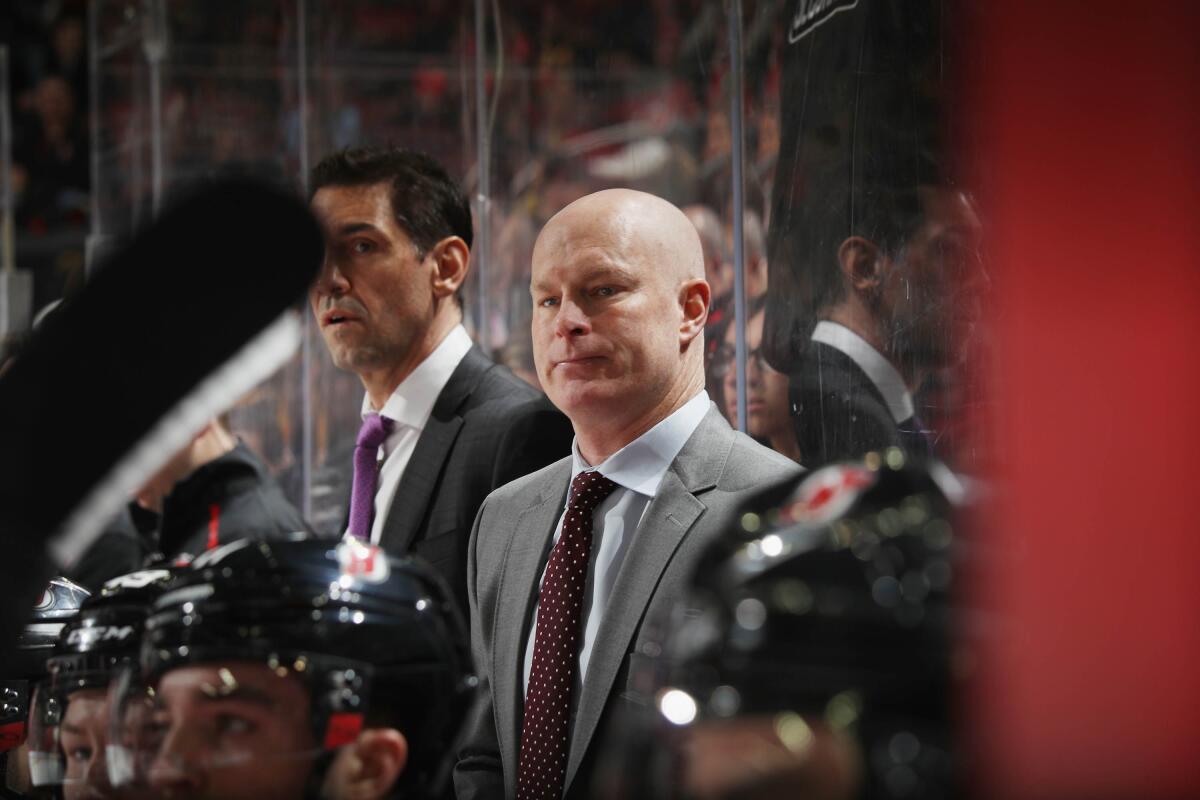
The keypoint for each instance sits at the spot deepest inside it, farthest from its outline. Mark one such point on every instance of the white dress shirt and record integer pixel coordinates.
(637, 469)
(881, 372)
(410, 406)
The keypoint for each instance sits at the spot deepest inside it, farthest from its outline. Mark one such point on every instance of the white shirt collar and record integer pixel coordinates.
(412, 402)
(881, 372)
(640, 465)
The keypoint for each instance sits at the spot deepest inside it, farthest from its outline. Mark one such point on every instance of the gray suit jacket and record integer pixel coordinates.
(715, 472)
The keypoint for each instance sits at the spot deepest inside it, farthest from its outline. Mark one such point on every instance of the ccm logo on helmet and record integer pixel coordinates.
(99, 633)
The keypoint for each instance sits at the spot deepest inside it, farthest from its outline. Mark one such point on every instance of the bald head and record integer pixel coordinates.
(620, 303)
(637, 223)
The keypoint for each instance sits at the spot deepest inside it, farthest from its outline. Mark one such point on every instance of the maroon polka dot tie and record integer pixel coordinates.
(542, 768)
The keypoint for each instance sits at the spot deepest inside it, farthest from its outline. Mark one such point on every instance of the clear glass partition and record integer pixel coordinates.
(373, 72)
(873, 239)
(597, 95)
(836, 172)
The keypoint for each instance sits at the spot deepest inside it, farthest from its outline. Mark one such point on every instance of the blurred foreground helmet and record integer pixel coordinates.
(24, 670)
(69, 719)
(812, 655)
(266, 657)
(58, 604)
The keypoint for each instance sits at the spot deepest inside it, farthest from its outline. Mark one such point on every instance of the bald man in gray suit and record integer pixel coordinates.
(569, 564)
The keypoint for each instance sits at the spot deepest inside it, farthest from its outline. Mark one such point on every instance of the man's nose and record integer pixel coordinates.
(95, 779)
(571, 319)
(754, 370)
(174, 768)
(173, 776)
(981, 279)
(331, 280)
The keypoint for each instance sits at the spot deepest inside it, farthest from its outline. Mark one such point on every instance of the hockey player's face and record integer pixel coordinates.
(373, 299)
(82, 738)
(230, 730)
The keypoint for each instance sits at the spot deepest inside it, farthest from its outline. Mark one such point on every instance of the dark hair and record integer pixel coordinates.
(427, 203)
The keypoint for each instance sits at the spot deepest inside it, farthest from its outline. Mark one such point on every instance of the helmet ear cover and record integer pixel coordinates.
(342, 728)
(14, 713)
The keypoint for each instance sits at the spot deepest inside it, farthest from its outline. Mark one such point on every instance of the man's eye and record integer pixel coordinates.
(80, 754)
(548, 302)
(229, 724)
(604, 291)
(362, 246)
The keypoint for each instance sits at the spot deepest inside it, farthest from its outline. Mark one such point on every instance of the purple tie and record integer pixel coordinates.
(374, 432)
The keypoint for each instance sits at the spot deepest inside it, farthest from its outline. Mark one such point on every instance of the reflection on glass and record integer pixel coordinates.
(853, 201)
(874, 268)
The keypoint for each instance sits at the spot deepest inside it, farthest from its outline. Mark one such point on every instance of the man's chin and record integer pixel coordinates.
(357, 360)
(585, 398)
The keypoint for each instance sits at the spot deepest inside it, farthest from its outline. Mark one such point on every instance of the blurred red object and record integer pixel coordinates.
(1086, 126)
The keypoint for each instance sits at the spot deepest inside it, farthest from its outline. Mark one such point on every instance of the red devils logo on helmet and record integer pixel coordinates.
(362, 561)
(829, 492)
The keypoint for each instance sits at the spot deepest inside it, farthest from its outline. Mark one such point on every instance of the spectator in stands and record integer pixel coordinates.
(51, 161)
(718, 262)
(767, 415)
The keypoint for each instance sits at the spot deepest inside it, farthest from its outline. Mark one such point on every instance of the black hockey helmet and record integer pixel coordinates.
(107, 631)
(375, 638)
(58, 604)
(827, 605)
(93, 647)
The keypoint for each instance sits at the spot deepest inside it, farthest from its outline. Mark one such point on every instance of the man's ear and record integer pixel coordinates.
(368, 768)
(695, 296)
(861, 262)
(452, 260)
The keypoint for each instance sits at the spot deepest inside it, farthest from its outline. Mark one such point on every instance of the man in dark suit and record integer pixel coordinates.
(570, 566)
(900, 313)
(874, 276)
(443, 425)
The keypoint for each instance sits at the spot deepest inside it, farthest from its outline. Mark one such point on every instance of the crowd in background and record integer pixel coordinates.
(580, 97)
(578, 100)
(50, 178)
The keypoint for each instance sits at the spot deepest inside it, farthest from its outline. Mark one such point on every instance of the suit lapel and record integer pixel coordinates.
(419, 483)
(530, 540)
(670, 516)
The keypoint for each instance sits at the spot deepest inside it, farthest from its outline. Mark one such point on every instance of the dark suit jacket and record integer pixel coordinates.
(714, 473)
(488, 427)
(238, 489)
(235, 491)
(840, 415)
